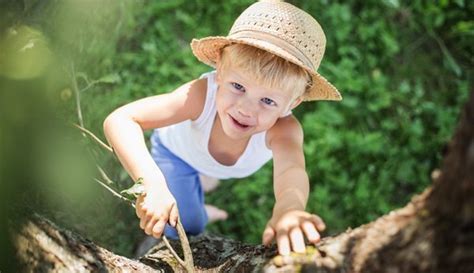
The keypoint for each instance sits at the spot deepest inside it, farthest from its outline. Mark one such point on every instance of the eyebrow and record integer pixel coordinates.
(237, 77)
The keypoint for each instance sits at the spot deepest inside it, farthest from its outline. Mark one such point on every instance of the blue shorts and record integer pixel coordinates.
(185, 185)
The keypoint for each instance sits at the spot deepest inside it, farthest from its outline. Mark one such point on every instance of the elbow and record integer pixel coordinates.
(119, 122)
(107, 127)
(107, 124)
(111, 122)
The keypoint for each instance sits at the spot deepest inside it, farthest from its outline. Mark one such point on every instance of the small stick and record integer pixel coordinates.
(100, 142)
(188, 255)
(78, 96)
(104, 175)
(181, 262)
(114, 192)
(168, 245)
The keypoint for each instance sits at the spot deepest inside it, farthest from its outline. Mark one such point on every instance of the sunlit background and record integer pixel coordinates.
(403, 68)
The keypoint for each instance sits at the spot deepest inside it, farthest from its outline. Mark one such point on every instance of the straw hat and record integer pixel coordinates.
(279, 28)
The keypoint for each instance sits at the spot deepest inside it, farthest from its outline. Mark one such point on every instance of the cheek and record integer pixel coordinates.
(268, 119)
(224, 99)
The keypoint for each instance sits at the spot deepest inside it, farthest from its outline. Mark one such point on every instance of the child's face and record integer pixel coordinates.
(246, 108)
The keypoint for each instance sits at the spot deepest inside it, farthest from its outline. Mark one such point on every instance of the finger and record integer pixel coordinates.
(310, 231)
(283, 243)
(320, 225)
(268, 235)
(146, 217)
(143, 221)
(149, 226)
(138, 211)
(297, 240)
(158, 229)
(139, 206)
(174, 215)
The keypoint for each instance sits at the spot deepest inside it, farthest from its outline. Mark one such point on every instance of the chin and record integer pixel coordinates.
(237, 135)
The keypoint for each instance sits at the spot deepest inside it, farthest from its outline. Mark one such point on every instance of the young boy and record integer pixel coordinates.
(229, 123)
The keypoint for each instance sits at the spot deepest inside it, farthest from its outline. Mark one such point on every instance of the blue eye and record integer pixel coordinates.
(268, 101)
(238, 86)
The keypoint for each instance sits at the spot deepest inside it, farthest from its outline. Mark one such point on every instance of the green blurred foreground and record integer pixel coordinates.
(404, 70)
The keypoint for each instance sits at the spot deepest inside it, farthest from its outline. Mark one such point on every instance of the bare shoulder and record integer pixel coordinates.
(184, 103)
(286, 130)
(195, 92)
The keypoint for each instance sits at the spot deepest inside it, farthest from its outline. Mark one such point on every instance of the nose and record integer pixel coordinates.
(245, 107)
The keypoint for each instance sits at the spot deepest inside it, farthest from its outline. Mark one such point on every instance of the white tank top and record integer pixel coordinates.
(189, 140)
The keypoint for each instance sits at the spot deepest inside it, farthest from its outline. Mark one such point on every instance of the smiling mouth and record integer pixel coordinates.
(236, 122)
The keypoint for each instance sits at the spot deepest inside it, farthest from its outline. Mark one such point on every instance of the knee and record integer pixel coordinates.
(193, 224)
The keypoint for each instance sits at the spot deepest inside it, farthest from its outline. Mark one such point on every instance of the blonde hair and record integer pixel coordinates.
(266, 68)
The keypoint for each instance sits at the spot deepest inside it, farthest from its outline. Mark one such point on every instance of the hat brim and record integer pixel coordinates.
(207, 50)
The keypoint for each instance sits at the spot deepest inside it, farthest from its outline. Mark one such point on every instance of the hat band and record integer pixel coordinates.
(253, 34)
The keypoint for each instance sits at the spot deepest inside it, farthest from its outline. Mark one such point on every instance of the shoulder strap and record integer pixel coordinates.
(209, 104)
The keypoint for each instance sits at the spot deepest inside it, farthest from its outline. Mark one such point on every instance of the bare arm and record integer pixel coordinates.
(124, 127)
(124, 131)
(290, 181)
(291, 187)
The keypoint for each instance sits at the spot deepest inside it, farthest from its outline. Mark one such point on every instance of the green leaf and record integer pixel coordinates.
(134, 191)
(111, 78)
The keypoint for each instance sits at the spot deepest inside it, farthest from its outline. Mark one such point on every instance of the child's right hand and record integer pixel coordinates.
(155, 209)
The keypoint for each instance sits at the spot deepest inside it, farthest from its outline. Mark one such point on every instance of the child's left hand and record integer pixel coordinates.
(288, 230)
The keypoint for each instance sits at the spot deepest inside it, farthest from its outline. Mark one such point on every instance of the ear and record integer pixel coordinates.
(217, 61)
(218, 76)
(218, 68)
(296, 102)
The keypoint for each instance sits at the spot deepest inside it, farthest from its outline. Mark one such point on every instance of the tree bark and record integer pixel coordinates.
(43, 247)
(432, 233)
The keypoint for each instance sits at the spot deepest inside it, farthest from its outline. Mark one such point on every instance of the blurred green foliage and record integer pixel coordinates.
(404, 69)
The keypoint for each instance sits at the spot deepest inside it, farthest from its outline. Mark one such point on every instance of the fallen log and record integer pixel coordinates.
(433, 233)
